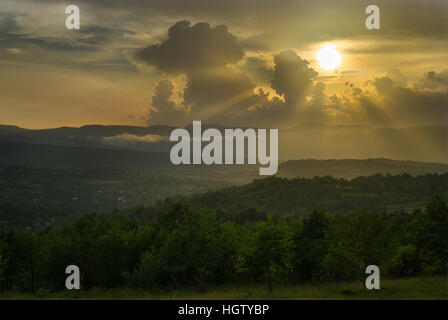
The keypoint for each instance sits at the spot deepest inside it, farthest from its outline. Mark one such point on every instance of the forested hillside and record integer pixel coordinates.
(177, 245)
(352, 168)
(300, 195)
(38, 198)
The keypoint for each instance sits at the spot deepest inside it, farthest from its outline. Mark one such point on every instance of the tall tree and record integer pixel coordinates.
(432, 234)
(270, 249)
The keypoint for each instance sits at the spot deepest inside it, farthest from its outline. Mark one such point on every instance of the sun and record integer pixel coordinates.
(328, 57)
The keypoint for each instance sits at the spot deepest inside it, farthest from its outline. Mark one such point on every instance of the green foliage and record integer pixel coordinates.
(35, 199)
(190, 247)
(360, 240)
(341, 263)
(407, 262)
(311, 246)
(299, 196)
(432, 232)
(269, 251)
(178, 245)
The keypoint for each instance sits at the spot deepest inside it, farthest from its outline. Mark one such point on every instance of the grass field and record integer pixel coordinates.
(433, 288)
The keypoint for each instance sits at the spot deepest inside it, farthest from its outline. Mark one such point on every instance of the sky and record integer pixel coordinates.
(225, 62)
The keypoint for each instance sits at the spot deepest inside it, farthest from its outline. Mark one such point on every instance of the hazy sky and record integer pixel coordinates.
(227, 62)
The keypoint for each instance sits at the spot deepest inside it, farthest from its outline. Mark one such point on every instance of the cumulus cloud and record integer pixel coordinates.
(383, 103)
(434, 80)
(397, 77)
(228, 81)
(215, 90)
(163, 93)
(292, 77)
(164, 109)
(441, 77)
(258, 70)
(202, 54)
(221, 88)
(412, 107)
(191, 48)
(318, 96)
(211, 88)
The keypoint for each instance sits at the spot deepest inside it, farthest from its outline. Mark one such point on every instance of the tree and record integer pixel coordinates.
(341, 263)
(191, 247)
(269, 251)
(432, 233)
(407, 262)
(311, 245)
(3, 264)
(362, 239)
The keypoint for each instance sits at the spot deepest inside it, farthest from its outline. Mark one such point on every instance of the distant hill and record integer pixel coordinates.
(317, 141)
(308, 141)
(74, 157)
(100, 131)
(48, 156)
(351, 168)
(53, 156)
(6, 129)
(90, 136)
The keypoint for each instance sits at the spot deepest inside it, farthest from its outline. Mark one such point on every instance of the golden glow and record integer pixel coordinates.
(328, 57)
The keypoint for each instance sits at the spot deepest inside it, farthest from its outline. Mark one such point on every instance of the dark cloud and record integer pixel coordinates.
(232, 93)
(412, 107)
(434, 80)
(164, 110)
(217, 91)
(189, 48)
(441, 77)
(292, 77)
(163, 93)
(383, 85)
(226, 96)
(215, 87)
(221, 85)
(391, 105)
(258, 70)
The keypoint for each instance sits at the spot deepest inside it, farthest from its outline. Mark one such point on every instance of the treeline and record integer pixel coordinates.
(297, 196)
(180, 245)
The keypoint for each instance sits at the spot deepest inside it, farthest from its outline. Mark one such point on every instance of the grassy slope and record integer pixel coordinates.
(411, 288)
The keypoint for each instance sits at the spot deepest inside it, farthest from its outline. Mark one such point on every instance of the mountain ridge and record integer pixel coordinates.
(309, 141)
